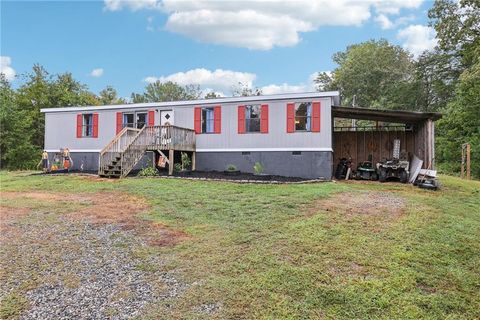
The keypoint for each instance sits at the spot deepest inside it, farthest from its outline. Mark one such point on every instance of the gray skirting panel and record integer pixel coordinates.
(304, 164)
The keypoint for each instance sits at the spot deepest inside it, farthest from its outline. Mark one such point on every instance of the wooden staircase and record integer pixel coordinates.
(121, 155)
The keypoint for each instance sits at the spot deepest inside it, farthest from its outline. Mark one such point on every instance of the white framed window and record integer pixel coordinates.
(252, 118)
(135, 119)
(208, 120)
(303, 116)
(87, 125)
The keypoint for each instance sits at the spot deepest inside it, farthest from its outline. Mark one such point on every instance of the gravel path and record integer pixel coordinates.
(72, 269)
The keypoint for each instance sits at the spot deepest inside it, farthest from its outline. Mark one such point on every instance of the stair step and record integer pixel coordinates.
(115, 176)
(113, 172)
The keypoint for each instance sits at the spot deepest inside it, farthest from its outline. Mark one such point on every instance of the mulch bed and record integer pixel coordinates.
(239, 177)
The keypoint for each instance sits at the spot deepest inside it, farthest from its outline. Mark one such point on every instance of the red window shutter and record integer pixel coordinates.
(95, 125)
(316, 117)
(290, 117)
(241, 119)
(119, 122)
(79, 125)
(217, 122)
(264, 118)
(198, 120)
(151, 118)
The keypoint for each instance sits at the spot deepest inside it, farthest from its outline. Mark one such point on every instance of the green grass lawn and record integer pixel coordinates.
(309, 250)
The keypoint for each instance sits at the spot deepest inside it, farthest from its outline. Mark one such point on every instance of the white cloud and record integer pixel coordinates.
(308, 86)
(394, 6)
(221, 81)
(417, 38)
(6, 69)
(284, 88)
(261, 25)
(150, 27)
(384, 21)
(217, 80)
(97, 72)
(134, 5)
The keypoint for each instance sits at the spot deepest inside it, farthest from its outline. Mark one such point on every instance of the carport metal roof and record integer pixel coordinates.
(394, 116)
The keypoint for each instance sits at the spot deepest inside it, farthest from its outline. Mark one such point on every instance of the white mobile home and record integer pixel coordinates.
(289, 134)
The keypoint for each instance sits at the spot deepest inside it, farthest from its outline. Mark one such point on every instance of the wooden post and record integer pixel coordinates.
(468, 161)
(465, 161)
(193, 160)
(170, 161)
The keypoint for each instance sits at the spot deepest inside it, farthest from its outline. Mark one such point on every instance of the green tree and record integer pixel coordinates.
(15, 133)
(167, 91)
(212, 95)
(324, 82)
(458, 32)
(435, 78)
(138, 98)
(377, 73)
(34, 94)
(245, 90)
(109, 96)
(23, 125)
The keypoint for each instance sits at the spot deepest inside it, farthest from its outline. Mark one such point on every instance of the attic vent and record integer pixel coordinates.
(296, 153)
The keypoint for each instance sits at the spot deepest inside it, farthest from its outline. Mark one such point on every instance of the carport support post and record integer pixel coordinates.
(170, 161)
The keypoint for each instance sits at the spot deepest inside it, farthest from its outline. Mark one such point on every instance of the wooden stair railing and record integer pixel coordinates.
(115, 148)
(135, 150)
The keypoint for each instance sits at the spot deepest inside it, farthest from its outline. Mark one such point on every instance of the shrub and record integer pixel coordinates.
(177, 167)
(258, 168)
(231, 167)
(148, 172)
(186, 162)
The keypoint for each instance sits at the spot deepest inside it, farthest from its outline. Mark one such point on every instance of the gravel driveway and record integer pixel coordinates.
(58, 266)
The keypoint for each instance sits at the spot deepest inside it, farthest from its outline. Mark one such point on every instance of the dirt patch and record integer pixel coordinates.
(103, 208)
(8, 216)
(363, 203)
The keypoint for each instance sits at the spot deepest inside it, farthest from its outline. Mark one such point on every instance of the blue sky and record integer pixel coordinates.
(275, 45)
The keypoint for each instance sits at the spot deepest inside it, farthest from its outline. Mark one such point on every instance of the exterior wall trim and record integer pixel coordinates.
(220, 150)
(189, 103)
(264, 149)
(75, 150)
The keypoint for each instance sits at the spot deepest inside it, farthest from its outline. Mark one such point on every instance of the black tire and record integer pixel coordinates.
(428, 185)
(374, 176)
(382, 177)
(403, 176)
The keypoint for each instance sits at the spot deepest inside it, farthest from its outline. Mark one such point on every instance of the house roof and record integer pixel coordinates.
(263, 98)
(394, 116)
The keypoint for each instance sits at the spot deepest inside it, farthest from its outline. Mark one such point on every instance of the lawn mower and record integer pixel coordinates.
(366, 171)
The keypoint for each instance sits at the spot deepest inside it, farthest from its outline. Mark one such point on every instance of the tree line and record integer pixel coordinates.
(374, 74)
(446, 79)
